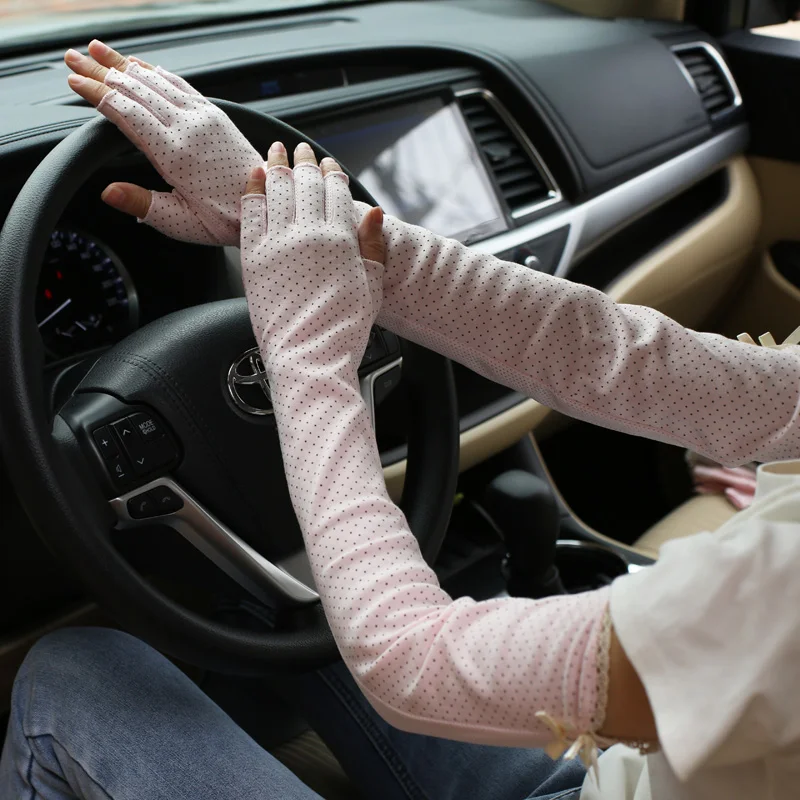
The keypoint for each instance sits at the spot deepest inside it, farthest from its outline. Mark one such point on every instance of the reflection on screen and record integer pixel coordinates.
(421, 165)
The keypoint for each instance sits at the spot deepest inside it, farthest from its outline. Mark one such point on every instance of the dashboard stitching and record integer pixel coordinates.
(189, 412)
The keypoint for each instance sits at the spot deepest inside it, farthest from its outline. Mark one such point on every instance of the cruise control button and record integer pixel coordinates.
(105, 442)
(125, 430)
(166, 501)
(142, 506)
(147, 426)
(386, 383)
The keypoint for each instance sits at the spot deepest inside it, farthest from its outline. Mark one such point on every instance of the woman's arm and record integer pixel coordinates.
(573, 349)
(475, 671)
(566, 345)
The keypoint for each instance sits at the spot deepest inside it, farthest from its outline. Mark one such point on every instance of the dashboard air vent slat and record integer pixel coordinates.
(709, 76)
(519, 179)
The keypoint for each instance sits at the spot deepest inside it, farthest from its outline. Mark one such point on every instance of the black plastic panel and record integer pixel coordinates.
(767, 70)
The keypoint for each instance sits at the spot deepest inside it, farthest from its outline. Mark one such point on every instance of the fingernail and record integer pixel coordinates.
(329, 162)
(303, 146)
(99, 46)
(113, 195)
(75, 80)
(277, 147)
(377, 217)
(73, 53)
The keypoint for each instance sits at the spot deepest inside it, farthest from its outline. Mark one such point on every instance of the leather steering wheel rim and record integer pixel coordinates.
(68, 509)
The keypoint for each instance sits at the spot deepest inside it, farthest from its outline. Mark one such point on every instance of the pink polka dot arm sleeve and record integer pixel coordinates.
(194, 146)
(575, 350)
(475, 671)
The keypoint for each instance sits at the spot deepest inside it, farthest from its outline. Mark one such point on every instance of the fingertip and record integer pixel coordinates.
(76, 81)
(377, 217)
(113, 195)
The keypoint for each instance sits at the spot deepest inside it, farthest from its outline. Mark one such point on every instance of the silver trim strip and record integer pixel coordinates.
(553, 192)
(719, 61)
(368, 387)
(595, 220)
(260, 577)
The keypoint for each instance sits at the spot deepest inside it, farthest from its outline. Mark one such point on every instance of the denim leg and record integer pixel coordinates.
(388, 764)
(97, 714)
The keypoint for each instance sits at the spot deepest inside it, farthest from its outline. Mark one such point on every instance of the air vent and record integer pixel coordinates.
(709, 76)
(521, 177)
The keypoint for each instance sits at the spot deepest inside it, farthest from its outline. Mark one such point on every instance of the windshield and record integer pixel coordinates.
(42, 22)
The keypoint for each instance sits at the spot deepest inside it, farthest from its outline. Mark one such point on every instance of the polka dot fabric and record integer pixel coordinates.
(194, 146)
(461, 669)
(573, 349)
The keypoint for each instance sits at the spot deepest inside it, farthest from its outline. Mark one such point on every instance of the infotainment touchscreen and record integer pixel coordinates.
(420, 163)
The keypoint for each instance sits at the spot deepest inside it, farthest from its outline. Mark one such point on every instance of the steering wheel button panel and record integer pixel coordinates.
(148, 428)
(385, 383)
(105, 443)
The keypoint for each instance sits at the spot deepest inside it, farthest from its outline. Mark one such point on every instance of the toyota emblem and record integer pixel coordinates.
(248, 385)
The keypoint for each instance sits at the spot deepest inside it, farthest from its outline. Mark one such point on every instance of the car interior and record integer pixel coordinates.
(646, 148)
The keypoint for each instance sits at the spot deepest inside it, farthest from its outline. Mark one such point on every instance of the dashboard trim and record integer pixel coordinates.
(553, 192)
(592, 222)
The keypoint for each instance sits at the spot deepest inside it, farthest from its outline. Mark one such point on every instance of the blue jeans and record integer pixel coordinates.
(98, 714)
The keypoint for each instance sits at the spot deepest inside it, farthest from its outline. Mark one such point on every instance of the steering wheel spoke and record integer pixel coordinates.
(163, 501)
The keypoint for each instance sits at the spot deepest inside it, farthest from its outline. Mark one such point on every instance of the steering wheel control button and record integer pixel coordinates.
(125, 430)
(385, 383)
(148, 428)
(392, 343)
(143, 506)
(376, 349)
(105, 443)
(166, 501)
(119, 469)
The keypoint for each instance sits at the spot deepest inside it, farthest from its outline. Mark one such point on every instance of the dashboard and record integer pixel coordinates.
(575, 146)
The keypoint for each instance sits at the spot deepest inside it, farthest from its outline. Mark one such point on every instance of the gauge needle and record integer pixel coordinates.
(57, 311)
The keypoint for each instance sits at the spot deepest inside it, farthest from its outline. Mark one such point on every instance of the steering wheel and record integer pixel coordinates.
(171, 426)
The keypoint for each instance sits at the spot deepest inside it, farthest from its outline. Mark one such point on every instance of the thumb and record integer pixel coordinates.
(128, 198)
(370, 236)
(254, 212)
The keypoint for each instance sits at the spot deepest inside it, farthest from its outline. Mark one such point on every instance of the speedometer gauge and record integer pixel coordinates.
(85, 297)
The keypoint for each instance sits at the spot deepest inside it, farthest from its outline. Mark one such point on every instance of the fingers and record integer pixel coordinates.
(279, 189)
(328, 165)
(370, 236)
(128, 198)
(89, 89)
(309, 194)
(107, 57)
(303, 154)
(254, 210)
(86, 66)
(277, 156)
(256, 182)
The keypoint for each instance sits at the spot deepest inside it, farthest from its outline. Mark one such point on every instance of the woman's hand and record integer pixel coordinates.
(198, 212)
(191, 142)
(307, 284)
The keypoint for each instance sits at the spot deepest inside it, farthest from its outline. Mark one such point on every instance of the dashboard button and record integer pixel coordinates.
(105, 443)
(146, 426)
(166, 501)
